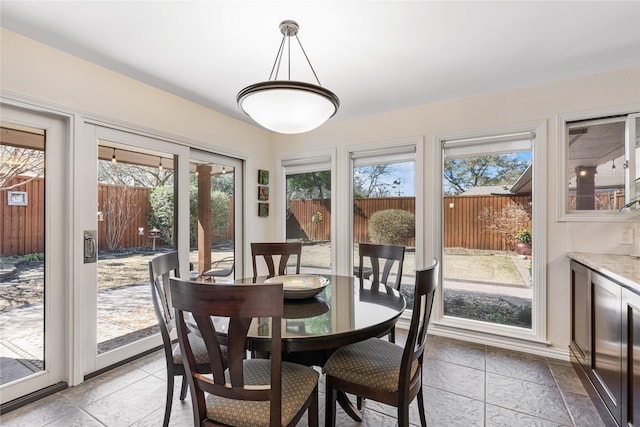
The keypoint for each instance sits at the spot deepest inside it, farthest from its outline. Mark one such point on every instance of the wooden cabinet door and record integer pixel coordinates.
(606, 373)
(581, 314)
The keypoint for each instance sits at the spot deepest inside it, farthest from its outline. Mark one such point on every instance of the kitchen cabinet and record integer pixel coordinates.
(606, 354)
(580, 314)
(605, 341)
(631, 358)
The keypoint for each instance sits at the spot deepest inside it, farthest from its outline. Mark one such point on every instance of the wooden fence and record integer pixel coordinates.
(22, 227)
(301, 212)
(124, 210)
(464, 226)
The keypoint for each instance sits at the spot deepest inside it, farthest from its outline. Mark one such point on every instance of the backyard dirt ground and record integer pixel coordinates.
(25, 285)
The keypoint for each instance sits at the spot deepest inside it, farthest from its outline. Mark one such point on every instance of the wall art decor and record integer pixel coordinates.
(263, 193)
(263, 177)
(263, 209)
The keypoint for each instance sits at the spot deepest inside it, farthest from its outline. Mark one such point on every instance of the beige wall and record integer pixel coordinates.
(29, 69)
(32, 70)
(541, 103)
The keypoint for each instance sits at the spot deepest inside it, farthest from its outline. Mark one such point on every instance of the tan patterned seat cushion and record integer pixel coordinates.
(374, 363)
(198, 348)
(298, 383)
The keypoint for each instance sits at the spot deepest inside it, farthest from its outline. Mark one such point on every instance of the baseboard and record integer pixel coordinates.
(508, 343)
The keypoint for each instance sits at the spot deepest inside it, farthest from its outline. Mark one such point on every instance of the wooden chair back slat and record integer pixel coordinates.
(282, 249)
(240, 303)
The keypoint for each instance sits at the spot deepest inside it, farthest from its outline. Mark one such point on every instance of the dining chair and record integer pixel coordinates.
(221, 268)
(268, 250)
(374, 253)
(390, 254)
(250, 392)
(379, 370)
(160, 270)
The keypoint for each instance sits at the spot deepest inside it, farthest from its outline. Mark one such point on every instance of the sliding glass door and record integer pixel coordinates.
(34, 192)
(215, 209)
(148, 196)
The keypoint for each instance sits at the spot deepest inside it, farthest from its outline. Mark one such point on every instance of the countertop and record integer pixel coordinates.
(621, 268)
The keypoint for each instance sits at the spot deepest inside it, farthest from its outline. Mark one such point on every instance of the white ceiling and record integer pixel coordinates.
(375, 55)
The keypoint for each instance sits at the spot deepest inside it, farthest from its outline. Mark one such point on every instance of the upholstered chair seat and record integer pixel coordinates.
(372, 363)
(298, 382)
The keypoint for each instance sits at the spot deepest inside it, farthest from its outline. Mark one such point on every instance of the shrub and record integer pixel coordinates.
(392, 227)
(523, 235)
(161, 213)
(220, 213)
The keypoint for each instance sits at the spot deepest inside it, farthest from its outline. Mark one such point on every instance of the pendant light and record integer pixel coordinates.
(288, 106)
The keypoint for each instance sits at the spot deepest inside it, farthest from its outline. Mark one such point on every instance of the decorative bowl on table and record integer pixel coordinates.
(300, 286)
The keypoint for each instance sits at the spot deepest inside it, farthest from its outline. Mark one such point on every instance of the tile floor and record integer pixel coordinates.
(466, 385)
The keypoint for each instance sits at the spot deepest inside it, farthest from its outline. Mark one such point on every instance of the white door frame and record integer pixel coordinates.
(57, 249)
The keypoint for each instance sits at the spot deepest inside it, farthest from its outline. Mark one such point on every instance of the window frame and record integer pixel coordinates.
(563, 121)
(474, 330)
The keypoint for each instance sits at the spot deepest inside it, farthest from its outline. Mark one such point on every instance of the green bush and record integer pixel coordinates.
(220, 214)
(392, 227)
(161, 213)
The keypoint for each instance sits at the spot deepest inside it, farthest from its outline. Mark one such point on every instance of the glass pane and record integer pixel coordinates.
(309, 218)
(211, 225)
(596, 159)
(135, 223)
(384, 213)
(22, 257)
(487, 237)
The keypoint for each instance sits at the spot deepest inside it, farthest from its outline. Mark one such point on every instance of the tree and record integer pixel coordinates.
(16, 161)
(367, 180)
(462, 174)
(120, 209)
(309, 185)
(135, 175)
(506, 222)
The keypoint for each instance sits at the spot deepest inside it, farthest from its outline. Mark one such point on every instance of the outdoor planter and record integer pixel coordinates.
(523, 248)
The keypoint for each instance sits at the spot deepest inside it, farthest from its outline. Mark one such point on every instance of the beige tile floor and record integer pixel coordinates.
(466, 385)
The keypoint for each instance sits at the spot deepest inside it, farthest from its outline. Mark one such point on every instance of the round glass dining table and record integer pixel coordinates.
(344, 312)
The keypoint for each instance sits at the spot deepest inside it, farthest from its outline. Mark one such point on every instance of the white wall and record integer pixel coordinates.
(522, 105)
(30, 69)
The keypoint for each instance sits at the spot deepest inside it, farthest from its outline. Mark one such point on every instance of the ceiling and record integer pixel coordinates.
(376, 56)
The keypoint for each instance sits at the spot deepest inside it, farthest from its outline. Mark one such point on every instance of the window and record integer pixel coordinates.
(493, 234)
(308, 185)
(384, 183)
(600, 166)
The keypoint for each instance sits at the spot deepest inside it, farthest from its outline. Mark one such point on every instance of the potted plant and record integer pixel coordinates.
(523, 241)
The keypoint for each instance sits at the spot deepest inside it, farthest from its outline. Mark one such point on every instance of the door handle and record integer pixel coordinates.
(90, 247)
